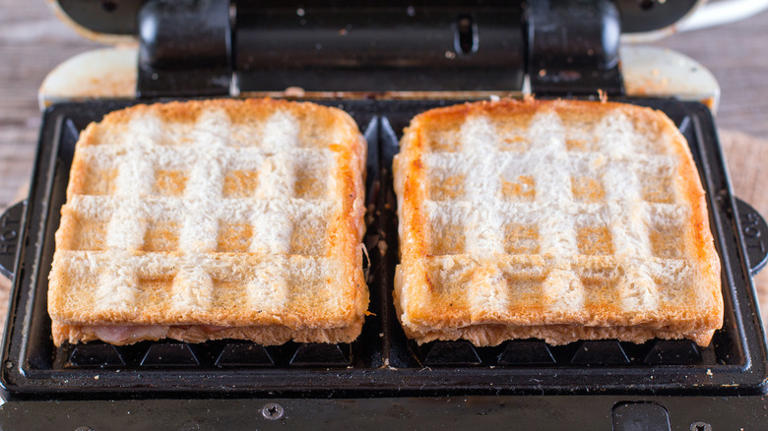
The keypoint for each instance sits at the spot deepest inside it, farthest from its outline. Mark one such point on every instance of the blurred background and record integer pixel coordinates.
(33, 41)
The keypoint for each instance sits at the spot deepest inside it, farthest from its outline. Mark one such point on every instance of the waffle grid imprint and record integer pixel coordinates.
(247, 214)
(556, 219)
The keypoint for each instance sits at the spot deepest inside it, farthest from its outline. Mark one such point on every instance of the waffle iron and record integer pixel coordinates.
(383, 65)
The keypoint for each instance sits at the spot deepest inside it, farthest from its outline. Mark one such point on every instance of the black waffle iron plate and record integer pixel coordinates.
(382, 378)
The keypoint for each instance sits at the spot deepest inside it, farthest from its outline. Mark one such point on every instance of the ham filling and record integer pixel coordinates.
(125, 334)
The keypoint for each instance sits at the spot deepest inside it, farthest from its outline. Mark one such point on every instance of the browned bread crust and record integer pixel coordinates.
(561, 220)
(239, 214)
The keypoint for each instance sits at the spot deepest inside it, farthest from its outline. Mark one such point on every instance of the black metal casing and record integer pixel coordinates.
(382, 380)
(574, 50)
(382, 363)
(117, 17)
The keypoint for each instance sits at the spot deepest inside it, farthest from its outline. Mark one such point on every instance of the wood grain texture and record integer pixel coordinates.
(34, 41)
(747, 157)
(737, 54)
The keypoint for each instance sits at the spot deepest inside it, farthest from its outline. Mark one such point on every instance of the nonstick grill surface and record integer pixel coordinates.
(382, 362)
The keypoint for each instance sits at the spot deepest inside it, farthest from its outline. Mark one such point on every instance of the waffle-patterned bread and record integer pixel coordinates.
(558, 220)
(213, 219)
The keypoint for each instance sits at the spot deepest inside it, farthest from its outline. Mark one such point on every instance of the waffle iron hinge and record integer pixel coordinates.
(573, 48)
(184, 48)
(321, 46)
(196, 47)
(190, 47)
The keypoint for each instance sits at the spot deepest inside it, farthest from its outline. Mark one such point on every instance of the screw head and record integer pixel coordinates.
(190, 426)
(272, 411)
(700, 426)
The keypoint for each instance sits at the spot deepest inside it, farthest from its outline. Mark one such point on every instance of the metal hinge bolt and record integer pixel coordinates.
(700, 426)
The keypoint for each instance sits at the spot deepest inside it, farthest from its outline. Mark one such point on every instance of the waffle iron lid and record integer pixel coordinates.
(115, 21)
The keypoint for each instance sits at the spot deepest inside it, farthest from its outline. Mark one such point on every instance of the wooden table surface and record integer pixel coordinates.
(33, 41)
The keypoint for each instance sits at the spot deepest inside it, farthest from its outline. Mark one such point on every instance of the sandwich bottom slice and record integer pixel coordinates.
(559, 220)
(265, 335)
(213, 219)
(495, 334)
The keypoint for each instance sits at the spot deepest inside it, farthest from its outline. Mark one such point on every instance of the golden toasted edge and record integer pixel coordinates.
(703, 241)
(411, 281)
(351, 215)
(348, 223)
